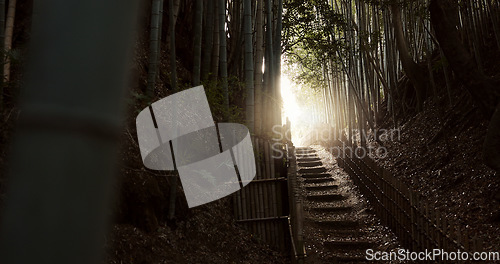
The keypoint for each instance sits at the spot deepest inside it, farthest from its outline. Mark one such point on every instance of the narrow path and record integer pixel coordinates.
(338, 225)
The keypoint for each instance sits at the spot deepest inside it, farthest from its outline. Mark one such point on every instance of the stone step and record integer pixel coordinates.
(325, 197)
(306, 153)
(348, 244)
(322, 187)
(310, 164)
(305, 150)
(319, 180)
(336, 224)
(331, 209)
(358, 258)
(313, 170)
(308, 159)
(347, 233)
(307, 156)
(315, 175)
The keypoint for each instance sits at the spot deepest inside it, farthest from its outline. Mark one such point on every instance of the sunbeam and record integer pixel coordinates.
(291, 109)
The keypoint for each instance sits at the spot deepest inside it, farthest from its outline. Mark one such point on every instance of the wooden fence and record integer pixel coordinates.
(262, 205)
(418, 224)
(295, 223)
(268, 206)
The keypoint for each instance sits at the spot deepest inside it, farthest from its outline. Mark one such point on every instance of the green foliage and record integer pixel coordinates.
(370, 40)
(309, 40)
(215, 96)
(309, 86)
(139, 100)
(14, 56)
(305, 75)
(311, 25)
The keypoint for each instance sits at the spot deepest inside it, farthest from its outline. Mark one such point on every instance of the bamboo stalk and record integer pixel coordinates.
(495, 21)
(249, 67)
(58, 211)
(223, 55)
(9, 31)
(2, 45)
(198, 32)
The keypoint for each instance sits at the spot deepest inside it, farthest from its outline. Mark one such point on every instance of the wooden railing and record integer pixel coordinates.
(418, 224)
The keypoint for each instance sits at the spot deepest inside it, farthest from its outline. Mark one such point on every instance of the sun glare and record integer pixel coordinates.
(290, 107)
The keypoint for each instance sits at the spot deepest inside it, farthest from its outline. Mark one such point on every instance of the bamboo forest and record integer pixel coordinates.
(249, 131)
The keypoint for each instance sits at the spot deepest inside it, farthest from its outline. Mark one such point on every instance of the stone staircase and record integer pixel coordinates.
(337, 228)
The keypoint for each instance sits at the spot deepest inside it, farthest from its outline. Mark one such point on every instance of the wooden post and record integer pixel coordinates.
(385, 197)
(244, 203)
(398, 207)
(265, 174)
(444, 227)
(420, 223)
(428, 215)
(259, 189)
(459, 234)
(425, 208)
(274, 195)
(439, 234)
(412, 221)
(452, 234)
(466, 242)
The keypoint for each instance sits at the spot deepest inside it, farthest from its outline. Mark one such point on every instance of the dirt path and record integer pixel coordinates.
(339, 225)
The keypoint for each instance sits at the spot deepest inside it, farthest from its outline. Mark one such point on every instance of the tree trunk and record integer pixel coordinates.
(198, 22)
(66, 145)
(175, 7)
(235, 28)
(277, 61)
(153, 47)
(177, 4)
(9, 31)
(216, 44)
(160, 29)
(416, 74)
(491, 147)
(208, 38)
(268, 112)
(173, 55)
(259, 54)
(483, 89)
(223, 56)
(249, 75)
(2, 49)
(494, 21)
(173, 84)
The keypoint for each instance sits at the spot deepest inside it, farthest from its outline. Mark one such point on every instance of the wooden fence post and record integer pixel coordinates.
(439, 234)
(413, 221)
